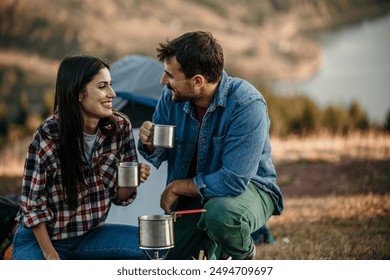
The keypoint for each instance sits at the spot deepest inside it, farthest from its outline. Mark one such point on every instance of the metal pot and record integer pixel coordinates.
(156, 231)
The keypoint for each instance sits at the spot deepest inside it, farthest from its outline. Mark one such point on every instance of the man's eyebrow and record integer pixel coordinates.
(169, 74)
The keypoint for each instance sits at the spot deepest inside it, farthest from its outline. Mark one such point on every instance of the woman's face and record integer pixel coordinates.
(96, 100)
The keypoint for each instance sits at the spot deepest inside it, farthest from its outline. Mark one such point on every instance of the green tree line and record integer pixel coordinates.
(295, 114)
(300, 115)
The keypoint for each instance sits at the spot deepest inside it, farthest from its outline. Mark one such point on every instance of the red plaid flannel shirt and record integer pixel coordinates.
(42, 198)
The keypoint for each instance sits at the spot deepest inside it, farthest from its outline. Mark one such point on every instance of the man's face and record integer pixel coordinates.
(182, 89)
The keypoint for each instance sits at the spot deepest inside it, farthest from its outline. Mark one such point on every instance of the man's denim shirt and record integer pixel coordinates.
(234, 145)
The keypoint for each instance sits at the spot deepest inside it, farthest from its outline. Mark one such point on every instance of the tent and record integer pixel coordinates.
(136, 82)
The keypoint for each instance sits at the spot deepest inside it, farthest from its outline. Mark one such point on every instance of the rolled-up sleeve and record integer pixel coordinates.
(34, 202)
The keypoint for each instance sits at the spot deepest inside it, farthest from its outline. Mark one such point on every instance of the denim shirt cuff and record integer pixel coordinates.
(200, 185)
(153, 158)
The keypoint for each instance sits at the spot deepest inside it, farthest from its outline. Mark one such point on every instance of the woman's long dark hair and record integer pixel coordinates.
(74, 73)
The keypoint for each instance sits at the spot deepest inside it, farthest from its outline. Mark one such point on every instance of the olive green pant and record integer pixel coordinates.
(226, 225)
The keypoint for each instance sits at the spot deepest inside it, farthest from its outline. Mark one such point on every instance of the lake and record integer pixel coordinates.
(356, 66)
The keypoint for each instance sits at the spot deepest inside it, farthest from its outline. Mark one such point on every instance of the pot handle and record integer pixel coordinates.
(184, 212)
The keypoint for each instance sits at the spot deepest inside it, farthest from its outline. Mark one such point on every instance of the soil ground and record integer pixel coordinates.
(348, 177)
(299, 179)
(343, 203)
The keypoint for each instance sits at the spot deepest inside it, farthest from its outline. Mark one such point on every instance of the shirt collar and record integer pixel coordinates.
(220, 98)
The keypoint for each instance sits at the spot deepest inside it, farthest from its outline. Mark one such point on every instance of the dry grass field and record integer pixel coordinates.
(337, 199)
(354, 227)
(337, 196)
(370, 145)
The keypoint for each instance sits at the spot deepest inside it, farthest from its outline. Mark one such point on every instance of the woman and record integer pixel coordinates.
(69, 179)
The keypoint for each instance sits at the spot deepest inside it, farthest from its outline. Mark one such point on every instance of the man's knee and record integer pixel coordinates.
(218, 218)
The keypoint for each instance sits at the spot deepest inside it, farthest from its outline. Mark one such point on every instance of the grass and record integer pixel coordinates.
(349, 219)
(332, 148)
(352, 224)
(331, 228)
(322, 147)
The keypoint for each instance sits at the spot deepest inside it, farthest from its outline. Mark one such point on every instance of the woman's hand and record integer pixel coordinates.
(124, 193)
(42, 236)
(144, 171)
(51, 256)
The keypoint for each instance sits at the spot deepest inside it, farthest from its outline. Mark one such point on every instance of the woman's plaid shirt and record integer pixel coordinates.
(42, 198)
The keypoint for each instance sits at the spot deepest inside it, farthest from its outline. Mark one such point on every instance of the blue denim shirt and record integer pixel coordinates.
(234, 146)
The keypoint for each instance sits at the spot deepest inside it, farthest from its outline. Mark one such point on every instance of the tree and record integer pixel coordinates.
(3, 120)
(357, 117)
(387, 121)
(335, 118)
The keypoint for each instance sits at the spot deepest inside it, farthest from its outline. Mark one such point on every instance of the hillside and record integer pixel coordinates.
(262, 40)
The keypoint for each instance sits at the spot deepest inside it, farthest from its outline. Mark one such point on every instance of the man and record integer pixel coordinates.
(222, 155)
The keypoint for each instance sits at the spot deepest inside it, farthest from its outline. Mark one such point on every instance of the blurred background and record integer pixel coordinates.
(323, 67)
(320, 64)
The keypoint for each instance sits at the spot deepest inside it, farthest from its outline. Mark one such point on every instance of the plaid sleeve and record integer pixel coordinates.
(34, 202)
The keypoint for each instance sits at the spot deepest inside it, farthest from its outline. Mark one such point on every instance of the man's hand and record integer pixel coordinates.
(146, 135)
(180, 187)
(168, 199)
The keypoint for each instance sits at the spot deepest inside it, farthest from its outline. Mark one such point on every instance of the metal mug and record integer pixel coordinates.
(128, 174)
(164, 135)
(155, 232)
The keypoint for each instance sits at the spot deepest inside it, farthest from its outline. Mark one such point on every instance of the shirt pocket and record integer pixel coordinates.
(218, 142)
(216, 152)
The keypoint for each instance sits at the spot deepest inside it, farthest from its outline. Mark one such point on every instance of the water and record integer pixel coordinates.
(356, 66)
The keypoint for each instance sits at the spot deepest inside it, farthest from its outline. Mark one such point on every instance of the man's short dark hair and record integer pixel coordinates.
(197, 53)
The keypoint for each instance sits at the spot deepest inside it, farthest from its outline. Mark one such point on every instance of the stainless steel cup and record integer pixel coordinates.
(128, 174)
(164, 136)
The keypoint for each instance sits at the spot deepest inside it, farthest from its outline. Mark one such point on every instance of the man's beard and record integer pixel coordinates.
(177, 97)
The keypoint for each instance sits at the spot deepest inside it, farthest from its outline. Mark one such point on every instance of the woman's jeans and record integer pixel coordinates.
(226, 225)
(108, 242)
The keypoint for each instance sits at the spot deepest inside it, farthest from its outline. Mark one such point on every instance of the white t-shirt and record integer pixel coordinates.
(89, 144)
